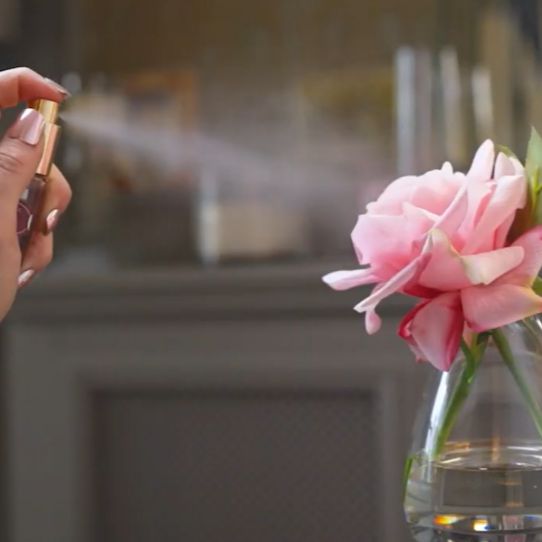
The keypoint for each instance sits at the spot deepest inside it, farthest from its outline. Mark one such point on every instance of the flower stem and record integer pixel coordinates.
(508, 358)
(406, 473)
(460, 393)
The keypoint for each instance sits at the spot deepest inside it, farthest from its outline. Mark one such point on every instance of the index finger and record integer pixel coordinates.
(23, 84)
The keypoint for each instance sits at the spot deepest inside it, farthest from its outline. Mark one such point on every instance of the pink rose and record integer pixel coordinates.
(442, 236)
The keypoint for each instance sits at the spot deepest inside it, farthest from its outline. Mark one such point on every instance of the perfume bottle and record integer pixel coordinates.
(29, 207)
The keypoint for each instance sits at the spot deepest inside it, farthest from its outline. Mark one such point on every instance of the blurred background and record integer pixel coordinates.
(180, 373)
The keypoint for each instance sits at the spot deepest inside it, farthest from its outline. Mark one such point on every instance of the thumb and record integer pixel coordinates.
(20, 153)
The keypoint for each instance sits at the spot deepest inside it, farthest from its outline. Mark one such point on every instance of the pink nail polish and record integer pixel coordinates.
(58, 87)
(28, 127)
(26, 277)
(51, 221)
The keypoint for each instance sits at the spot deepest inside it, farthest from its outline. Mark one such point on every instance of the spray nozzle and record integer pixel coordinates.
(49, 111)
(47, 108)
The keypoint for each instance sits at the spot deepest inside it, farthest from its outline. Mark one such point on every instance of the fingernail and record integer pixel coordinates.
(28, 127)
(51, 221)
(26, 277)
(66, 93)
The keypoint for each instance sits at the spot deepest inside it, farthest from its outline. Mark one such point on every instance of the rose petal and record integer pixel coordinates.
(447, 270)
(404, 330)
(483, 162)
(486, 267)
(454, 216)
(478, 196)
(344, 280)
(490, 307)
(434, 328)
(404, 326)
(397, 282)
(508, 197)
(391, 200)
(444, 270)
(505, 165)
(433, 191)
(503, 230)
(372, 232)
(436, 190)
(526, 272)
(388, 243)
(411, 212)
(373, 322)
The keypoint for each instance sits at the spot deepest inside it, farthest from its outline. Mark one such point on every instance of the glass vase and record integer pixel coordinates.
(475, 469)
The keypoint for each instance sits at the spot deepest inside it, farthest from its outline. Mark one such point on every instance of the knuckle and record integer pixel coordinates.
(25, 71)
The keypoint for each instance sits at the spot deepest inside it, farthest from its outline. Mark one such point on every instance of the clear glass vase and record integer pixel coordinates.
(475, 471)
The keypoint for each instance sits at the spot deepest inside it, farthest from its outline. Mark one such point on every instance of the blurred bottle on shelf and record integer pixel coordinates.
(448, 101)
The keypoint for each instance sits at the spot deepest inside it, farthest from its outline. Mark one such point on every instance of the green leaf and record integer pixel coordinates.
(531, 214)
(472, 356)
(534, 149)
(406, 473)
(537, 209)
(537, 286)
(533, 161)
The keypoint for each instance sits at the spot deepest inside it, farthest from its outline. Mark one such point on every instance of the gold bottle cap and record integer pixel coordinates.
(47, 108)
(49, 111)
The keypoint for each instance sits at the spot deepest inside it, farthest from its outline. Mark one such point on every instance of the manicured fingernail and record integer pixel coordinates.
(28, 127)
(66, 93)
(26, 277)
(51, 221)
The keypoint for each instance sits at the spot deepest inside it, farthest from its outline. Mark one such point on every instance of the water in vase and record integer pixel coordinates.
(475, 491)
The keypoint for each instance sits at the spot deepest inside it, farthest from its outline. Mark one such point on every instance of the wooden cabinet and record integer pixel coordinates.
(202, 406)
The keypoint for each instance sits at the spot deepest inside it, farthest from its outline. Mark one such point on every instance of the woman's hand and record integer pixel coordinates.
(20, 153)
